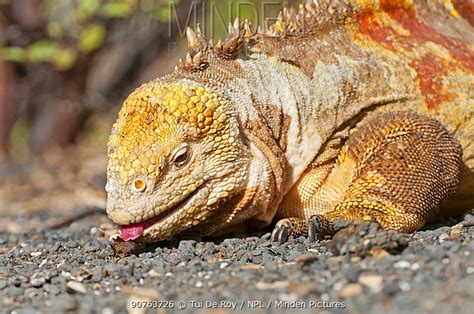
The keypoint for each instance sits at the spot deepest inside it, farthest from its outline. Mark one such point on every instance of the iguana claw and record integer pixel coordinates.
(280, 234)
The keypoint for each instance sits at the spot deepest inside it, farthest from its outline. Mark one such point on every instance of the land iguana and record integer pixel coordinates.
(341, 110)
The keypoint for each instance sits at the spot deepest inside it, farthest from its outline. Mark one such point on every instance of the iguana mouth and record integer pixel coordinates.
(136, 230)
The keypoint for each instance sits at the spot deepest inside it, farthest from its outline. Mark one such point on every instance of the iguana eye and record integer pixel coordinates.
(181, 156)
(138, 185)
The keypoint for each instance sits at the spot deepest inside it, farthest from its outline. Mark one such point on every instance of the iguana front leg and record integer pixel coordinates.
(396, 169)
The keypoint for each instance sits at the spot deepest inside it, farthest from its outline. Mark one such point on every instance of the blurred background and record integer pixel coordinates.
(65, 68)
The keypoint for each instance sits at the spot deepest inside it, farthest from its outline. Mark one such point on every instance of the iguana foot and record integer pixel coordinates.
(319, 226)
(289, 227)
(316, 227)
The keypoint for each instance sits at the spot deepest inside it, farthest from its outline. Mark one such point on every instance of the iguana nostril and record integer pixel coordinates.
(138, 185)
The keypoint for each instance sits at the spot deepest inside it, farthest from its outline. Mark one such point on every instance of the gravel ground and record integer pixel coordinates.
(362, 269)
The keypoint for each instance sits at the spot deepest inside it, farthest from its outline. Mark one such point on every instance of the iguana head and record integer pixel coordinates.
(174, 155)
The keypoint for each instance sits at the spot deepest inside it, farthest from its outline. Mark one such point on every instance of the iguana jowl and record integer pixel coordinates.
(341, 110)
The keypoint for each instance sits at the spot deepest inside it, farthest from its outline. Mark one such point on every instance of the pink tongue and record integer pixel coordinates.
(134, 231)
(131, 232)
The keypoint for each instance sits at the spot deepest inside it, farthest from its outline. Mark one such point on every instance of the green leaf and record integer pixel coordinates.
(117, 9)
(91, 37)
(163, 14)
(16, 54)
(54, 29)
(88, 7)
(41, 51)
(64, 58)
(19, 137)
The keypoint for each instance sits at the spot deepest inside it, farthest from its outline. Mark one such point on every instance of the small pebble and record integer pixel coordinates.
(402, 264)
(373, 282)
(352, 274)
(350, 291)
(37, 282)
(75, 287)
(456, 232)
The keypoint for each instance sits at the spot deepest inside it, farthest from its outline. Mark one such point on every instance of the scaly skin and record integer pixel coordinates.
(342, 110)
